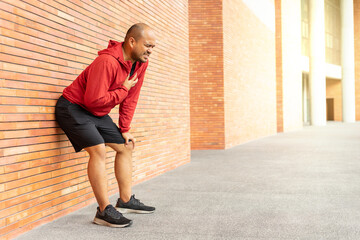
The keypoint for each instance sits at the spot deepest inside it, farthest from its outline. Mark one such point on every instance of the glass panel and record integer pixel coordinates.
(332, 31)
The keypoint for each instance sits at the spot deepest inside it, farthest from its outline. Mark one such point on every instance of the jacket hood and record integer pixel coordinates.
(115, 49)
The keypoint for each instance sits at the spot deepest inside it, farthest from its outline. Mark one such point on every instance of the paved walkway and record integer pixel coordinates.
(298, 185)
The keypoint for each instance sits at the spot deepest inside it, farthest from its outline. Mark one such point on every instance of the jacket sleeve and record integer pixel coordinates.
(101, 74)
(127, 107)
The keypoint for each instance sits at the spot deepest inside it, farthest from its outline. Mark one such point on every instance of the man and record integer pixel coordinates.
(114, 77)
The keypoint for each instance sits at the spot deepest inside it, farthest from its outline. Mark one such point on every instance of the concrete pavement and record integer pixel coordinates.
(297, 185)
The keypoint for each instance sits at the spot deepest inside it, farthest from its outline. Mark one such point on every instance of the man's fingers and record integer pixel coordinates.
(133, 142)
(129, 138)
(126, 140)
(135, 82)
(134, 77)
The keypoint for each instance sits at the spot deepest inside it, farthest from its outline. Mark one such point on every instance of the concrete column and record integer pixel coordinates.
(317, 75)
(347, 60)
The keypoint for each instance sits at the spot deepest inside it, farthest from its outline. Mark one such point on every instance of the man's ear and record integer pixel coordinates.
(132, 42)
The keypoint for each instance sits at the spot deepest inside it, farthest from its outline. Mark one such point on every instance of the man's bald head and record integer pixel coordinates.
(136, 31)
(139, 41)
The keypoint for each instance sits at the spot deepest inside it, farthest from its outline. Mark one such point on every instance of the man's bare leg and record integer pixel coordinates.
(97, 174)
(123, 172)
(123, 169)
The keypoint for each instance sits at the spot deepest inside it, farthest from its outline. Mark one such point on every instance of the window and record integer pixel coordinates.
(332, 30)
(305, 42)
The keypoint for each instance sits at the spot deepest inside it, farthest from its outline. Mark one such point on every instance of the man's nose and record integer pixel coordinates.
(149, 51)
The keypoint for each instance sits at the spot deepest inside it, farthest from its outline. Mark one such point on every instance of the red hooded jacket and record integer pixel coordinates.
(99, 87)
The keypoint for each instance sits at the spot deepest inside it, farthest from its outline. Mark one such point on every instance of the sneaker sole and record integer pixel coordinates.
(105, 223)
(128, 210)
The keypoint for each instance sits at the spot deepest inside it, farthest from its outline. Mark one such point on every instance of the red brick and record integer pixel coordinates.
(231, 94)
(45, 45)
(357, 56)
(279, 74)
(206, 75)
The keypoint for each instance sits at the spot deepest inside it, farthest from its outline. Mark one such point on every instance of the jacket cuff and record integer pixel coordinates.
(125, 88)
(124, 130)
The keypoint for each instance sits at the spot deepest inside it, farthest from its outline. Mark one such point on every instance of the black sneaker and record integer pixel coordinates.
(133, 206)
(111, 218)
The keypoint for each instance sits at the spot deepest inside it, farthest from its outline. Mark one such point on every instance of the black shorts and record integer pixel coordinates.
(83, 128)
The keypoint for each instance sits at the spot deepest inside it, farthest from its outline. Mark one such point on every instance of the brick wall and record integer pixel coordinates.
(45, 44)
(232, 97)
(249, 70)
(279, 67)
(333, 90)
(206, 74)
(357, 56)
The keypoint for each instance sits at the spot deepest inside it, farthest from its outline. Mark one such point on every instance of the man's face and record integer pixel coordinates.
(143, 47)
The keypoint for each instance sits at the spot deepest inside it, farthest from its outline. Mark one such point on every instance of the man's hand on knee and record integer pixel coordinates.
(129, 140)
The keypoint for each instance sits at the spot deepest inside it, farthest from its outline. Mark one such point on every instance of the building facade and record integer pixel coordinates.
(256, 71)
(335, 66)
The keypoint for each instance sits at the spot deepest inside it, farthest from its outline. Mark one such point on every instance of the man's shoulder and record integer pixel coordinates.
(106, 59)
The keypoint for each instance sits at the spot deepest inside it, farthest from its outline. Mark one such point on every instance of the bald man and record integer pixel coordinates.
(114, 77)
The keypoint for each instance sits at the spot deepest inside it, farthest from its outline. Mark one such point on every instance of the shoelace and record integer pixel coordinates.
(114, 213)
(137, 201)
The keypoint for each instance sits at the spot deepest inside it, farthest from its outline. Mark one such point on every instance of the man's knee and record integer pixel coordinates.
(121, 148)
(98, 151)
